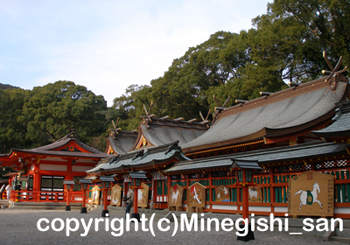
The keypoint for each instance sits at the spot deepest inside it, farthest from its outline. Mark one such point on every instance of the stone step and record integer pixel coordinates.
(340, 239)
(344, 233)
(4, 203)
(44, 205)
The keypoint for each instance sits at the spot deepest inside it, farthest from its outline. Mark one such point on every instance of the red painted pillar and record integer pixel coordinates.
(84, 197)
(135, 199)
(105, 199)
(210, 191)
(169, 186)
(105, 212)
(245, 211)
(36, 179)
(83, 207)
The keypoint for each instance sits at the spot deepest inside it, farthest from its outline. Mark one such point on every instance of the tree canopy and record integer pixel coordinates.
(45, 114)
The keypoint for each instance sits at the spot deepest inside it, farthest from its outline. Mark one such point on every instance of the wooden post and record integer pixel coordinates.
(245, 211)
(135, 215)
(169, 186)
(245, 204)
(67, 201)
(135, 200)
(210, 192)
(83, 208)
(272, 191)
(105, 212)
(36, 179)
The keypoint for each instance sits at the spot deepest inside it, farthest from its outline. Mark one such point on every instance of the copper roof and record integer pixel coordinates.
(283, 113)
(273, 155)
(122, 141)
(142, 158)
(160, 131)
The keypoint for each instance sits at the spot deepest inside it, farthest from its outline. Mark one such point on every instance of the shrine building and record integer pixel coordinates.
(302, 129)
(41, 171)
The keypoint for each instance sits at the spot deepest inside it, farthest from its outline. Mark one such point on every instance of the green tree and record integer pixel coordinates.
(12, 131)
(325, 23)
(56, 108)
(129, 107)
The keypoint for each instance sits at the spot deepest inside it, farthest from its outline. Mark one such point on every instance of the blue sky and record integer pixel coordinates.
(108, 45)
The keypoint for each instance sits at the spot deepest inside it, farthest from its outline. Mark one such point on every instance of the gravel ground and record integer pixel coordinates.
(19, 226)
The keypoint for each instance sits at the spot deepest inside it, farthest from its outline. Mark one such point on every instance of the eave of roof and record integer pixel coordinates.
(142, 158)
(51, 150)
(60, 143)
(278, 154)
(341, 126)
(61, 153)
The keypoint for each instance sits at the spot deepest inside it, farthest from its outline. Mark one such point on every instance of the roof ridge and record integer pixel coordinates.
(274, 97)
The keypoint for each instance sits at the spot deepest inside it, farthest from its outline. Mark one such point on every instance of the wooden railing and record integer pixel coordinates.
(46, 196)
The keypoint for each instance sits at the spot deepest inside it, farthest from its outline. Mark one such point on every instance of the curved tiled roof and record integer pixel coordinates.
(62, 142)
(51, 149)
(283, 113)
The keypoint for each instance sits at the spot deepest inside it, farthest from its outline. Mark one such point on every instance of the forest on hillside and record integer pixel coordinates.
(286, 44)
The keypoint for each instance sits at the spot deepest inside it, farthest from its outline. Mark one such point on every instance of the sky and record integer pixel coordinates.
(108, 45)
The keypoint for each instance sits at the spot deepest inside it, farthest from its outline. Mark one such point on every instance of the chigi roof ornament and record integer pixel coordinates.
(219, 108)
(71, 134)
(204, 121)
(149, 110)
(334, 74)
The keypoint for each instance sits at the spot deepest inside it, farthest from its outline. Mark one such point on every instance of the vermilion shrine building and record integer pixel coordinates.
(41, 171)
